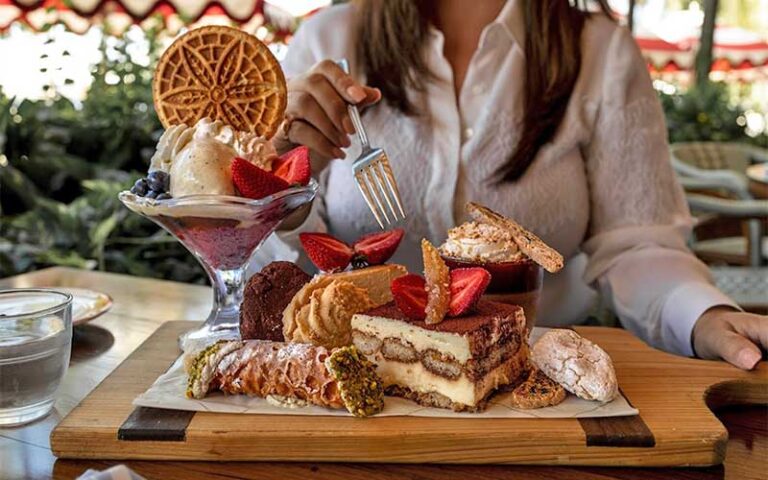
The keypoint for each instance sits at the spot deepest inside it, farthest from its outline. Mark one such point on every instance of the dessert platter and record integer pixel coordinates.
(377, 340)
(363, 360)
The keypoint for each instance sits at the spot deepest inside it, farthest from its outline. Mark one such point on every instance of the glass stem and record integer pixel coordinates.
(228, 286)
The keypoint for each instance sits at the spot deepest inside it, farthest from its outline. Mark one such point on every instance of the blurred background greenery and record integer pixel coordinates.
(64, 167)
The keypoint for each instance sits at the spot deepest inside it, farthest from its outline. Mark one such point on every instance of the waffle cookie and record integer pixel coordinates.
(220, 73)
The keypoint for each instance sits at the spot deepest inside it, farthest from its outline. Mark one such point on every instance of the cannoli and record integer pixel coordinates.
(339, 378)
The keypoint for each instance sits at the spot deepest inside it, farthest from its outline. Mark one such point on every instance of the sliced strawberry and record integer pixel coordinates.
(410, 294)
(293, 166)
(467, 286)
(377, 248)
(326, 252)
(254, 182)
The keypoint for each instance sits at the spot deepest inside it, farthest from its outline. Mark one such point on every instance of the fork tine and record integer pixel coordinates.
(384, 186)
(367, 196)
(375, 187)
(392, 184)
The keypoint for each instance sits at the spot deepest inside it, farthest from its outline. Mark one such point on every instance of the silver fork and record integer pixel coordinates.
(373, 173)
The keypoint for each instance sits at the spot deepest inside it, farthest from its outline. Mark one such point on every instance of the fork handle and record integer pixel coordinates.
(354, 113)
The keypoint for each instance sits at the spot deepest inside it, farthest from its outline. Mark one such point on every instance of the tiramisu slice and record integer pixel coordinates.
(457, 363)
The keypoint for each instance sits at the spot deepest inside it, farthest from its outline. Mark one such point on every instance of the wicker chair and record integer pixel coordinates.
(726, 162)
(717, 169)
(717, 189)
(747, 286)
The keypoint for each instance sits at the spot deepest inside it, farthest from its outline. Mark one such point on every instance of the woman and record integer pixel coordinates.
(540, 111)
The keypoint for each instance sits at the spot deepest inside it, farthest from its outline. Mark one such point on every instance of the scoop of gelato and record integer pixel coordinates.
(199, 158)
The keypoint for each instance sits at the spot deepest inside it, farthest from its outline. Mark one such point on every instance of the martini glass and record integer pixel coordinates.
(222, 232)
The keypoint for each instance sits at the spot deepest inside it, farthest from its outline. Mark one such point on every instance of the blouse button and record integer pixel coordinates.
(478, 89)
(468, 132)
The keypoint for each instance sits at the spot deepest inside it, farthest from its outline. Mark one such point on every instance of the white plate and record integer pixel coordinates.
(87, 304)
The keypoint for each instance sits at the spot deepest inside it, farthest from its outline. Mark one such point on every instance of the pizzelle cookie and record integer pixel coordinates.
(529, 244)
(221, 73)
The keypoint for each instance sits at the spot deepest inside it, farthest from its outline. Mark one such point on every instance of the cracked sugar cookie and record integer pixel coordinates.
(577, 364)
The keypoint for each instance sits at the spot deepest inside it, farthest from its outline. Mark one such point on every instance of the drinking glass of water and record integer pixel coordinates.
(35, 342)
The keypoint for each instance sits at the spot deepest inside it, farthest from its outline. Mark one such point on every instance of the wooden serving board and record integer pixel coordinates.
(675, 426)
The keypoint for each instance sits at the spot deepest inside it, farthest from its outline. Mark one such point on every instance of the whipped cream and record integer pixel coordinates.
(480, 242)
(325, 318)
(198, 158)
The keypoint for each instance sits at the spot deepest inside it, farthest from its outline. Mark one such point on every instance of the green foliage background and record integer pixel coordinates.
(707, 113)
(61, 168)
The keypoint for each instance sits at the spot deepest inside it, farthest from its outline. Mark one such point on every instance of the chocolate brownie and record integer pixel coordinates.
(266, 295)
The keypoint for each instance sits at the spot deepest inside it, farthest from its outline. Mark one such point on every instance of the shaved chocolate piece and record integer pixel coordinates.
(266, 296)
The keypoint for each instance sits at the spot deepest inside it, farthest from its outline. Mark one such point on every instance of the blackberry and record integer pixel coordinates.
(163, 196)
(151, 194)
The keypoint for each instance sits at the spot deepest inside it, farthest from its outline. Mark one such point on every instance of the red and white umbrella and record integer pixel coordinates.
(169, 16)
(665, 56)
(739, 49)
(735, 50)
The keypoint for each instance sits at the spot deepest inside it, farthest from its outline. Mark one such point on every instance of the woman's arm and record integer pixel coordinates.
(318, 94)
(640, 222)
(313, 41)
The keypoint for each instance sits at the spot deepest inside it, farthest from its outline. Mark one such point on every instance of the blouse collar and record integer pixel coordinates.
(510, 19)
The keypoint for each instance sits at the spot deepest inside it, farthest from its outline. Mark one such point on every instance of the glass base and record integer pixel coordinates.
(209, 333)
(14, 417)
(222, 232)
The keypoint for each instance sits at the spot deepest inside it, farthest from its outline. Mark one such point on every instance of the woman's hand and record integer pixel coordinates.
(317, 110)
(734, 336)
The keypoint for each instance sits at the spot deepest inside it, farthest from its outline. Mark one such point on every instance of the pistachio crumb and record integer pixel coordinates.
(358, 382)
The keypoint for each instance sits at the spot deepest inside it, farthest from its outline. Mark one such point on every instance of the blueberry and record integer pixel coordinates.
(140, 188)
(151, 194)
(158, 180)
(163, 196)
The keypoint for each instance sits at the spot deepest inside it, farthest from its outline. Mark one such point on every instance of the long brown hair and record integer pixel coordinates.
(392, 34)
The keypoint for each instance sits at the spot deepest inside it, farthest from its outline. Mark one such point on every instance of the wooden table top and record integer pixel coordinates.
(141, 305)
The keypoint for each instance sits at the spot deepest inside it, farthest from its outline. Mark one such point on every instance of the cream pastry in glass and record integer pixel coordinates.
(515, 278)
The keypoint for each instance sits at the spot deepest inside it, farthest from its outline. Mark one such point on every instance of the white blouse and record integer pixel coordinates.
(602, 192)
